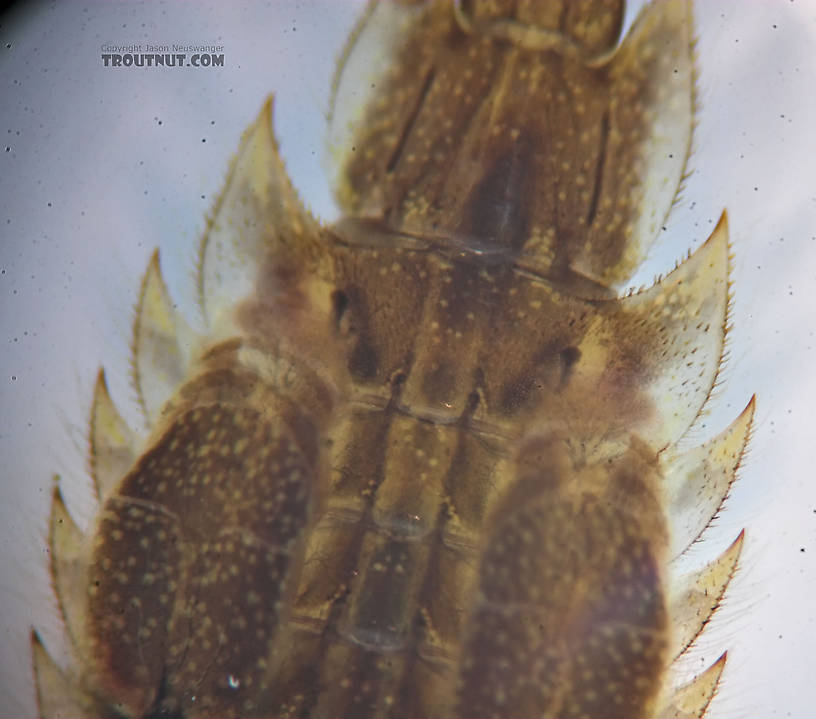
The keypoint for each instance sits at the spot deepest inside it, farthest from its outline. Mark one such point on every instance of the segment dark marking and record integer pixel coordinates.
(600, 167)
(410, 121)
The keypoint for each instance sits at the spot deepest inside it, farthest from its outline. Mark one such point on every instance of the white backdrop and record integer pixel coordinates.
(99, 165)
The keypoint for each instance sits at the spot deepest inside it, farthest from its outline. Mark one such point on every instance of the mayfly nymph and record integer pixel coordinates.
(424, 461)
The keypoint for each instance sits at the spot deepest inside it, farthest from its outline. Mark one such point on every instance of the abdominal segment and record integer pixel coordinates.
(570, 617)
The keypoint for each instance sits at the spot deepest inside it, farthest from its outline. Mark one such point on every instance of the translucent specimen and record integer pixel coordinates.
(423, 462)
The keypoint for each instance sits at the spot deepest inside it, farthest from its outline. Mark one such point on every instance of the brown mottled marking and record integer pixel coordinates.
(189, 572)
(571, 610)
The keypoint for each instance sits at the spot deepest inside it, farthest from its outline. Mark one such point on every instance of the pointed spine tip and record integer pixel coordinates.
(720, 234)
(750, 408)
(267, 110)
(152, 283)
(153, 274)
(732, 555)
(135, 379)
(155, 262)
(264, 123)
(60, 524)
(57, 500)
(722, 223)
(101, 389)
(100, 394)
(746, 416)
(58, 513)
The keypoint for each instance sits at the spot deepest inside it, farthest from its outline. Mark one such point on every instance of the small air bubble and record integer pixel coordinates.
(233, 682)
